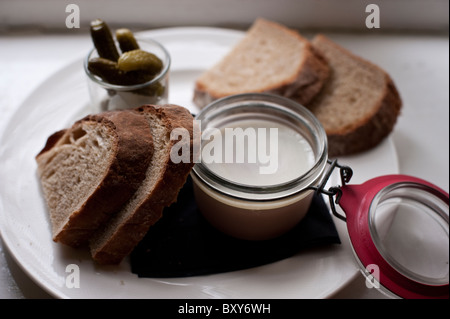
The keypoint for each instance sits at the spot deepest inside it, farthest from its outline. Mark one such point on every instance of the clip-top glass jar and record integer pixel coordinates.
(398, 225)
(260, 156)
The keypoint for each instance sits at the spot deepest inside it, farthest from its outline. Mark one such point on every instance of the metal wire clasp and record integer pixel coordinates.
(346, 174)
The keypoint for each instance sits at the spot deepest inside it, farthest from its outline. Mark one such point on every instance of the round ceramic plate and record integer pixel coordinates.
(24, 224)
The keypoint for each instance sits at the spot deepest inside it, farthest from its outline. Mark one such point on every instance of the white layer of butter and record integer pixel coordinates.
(257, 152)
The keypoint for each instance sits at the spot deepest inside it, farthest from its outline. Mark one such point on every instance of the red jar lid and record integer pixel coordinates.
(399, 225)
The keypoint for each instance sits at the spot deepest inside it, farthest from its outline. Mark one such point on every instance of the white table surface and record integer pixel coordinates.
(418, 64)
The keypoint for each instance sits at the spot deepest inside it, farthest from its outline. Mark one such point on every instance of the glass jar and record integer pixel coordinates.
(261, 154)
(105, 96)
(397, 224)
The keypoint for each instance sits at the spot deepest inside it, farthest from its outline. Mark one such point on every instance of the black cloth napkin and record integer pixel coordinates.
(182, 243)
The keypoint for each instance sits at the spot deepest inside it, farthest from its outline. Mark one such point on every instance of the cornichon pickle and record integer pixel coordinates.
(140, 60)
(108, 71)
(126, 39)
(134, 66)
(103, 40)
(105, 69)
(138, 76)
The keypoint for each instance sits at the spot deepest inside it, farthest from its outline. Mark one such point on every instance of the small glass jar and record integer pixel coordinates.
(246, 196)
(105, 96)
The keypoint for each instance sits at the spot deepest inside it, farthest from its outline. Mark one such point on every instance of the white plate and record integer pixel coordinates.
(24, 224)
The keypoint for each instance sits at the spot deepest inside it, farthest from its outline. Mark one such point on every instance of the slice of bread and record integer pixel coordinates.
(160, 188)
(270, 58)
(359, 104)
(90, 170)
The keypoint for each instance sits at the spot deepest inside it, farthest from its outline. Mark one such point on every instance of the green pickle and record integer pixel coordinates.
(103, 40)
(140, 60)
(133, 66)
(108, 71)
(126, 39)
(105, 69)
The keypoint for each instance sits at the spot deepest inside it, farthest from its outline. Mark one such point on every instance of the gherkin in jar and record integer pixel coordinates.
(108, 71)
(126, 39)
(140, 60)
(133, 66)
(103, 40)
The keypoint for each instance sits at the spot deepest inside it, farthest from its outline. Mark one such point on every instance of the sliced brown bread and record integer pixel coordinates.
(359, 104)
(90, 170)
(160, 188)
(270, 58)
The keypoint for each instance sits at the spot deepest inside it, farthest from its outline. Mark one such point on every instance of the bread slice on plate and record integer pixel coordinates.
(163, 180)
(270, 58)
(90, 170)
(358, 105)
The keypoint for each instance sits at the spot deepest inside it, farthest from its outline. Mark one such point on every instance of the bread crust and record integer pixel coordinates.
(130, 232)
(302, 87)
(129, 159)
(368, 131)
